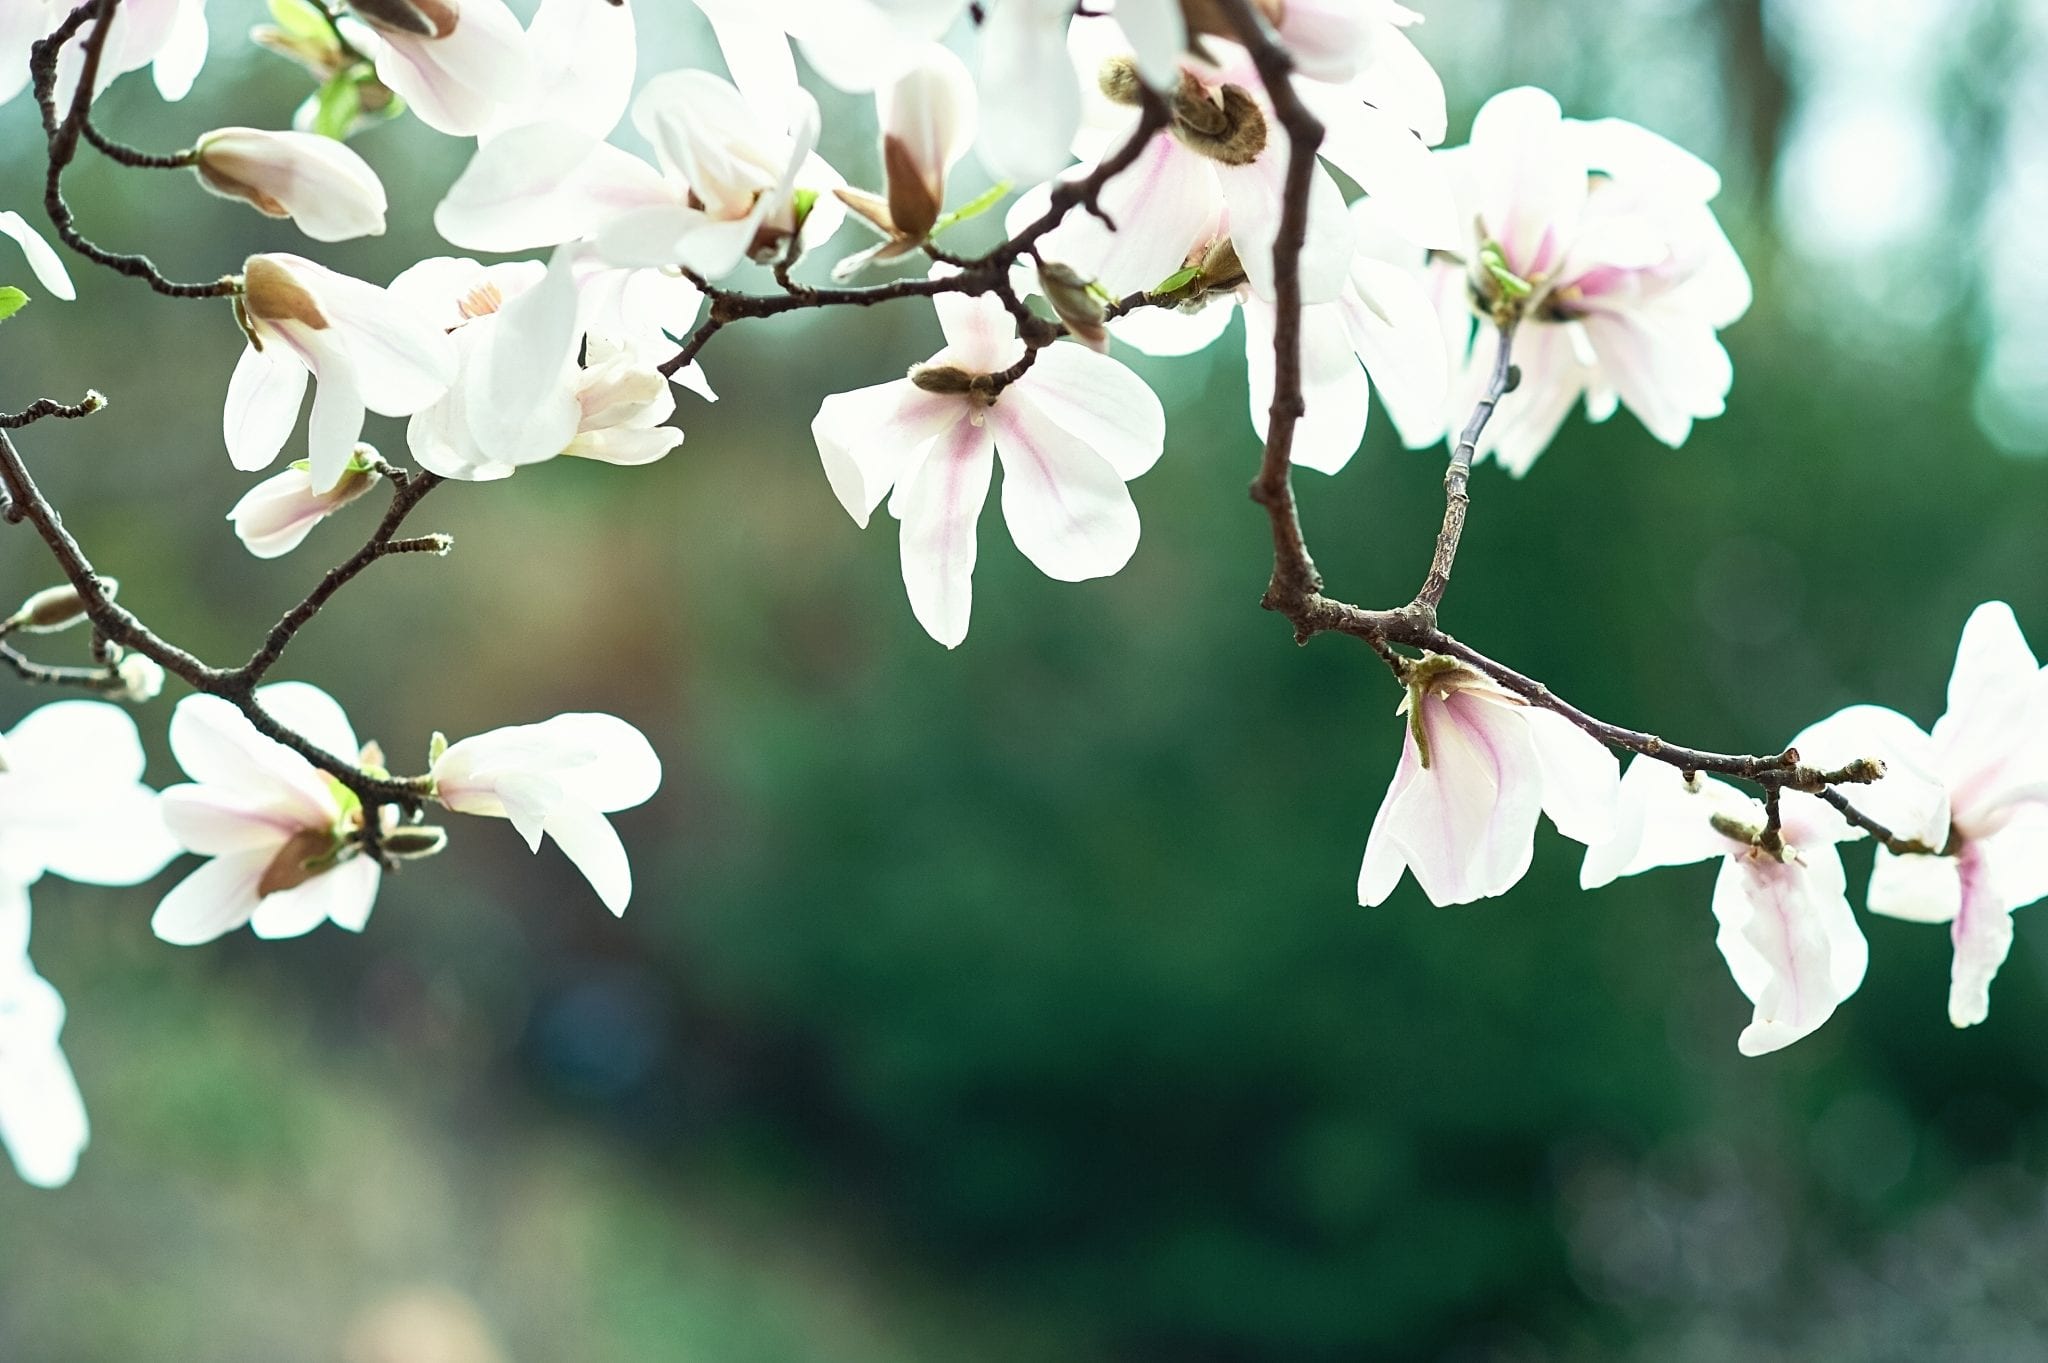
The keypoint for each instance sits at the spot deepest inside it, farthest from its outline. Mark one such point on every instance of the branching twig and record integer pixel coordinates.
(1456, 499)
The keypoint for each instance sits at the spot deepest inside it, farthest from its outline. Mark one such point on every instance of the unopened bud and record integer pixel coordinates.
(1075, 302)
(1120, 82)
(914, 201)
(946, 378)
(415, 841)
(142, 679)
(54, 608)
(271, 293)
(1225, 126)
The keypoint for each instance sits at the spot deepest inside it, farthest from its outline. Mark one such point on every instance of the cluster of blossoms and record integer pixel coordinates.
(1156, 199)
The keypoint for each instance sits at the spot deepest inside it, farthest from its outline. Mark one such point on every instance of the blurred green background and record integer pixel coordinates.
(1012, 1004)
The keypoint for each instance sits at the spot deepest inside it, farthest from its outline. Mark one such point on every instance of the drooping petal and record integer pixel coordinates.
(1982, 933)
(588, 839)
(1790, 940)
(938, 503)
(42, 1119)
(44, 261)
(1068, 510)
(343, 896)
(214, 900)
(869, 437)
(262, 407)
(1910, 800)
(1393, 329)
(1581, 779)
(583, 57)
(334, 428)
(1662, 821)
(1112, 410)
(1920, 889)
(1466, 822)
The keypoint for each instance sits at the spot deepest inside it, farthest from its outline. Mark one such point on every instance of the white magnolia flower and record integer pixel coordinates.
(276, 515)
(1071, 432)
(1477, 766)
(365, 349)
(454, 64)
(557, 779)
(1976, 790)
(328, 190)
(1787, 932)
(581, 60)
(1223, 159)
(1628, 275)
(168, 36)
(71, 802)
(42, 1117)
(279, 832)
(927, 119)
(520, 396)
(42, 258)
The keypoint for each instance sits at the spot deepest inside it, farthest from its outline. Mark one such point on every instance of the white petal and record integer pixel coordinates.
(335, 427)
(1467, 821)
(518, 393)
(756, 53)
(1982, 934)
(584, 58)
(1034, 101)
(317, 716)
(49, 269)
(1920, 889)
(1532, 179)
(1067, 509)
(1910, 799)
(1335, 387)
(869, 437)
(218, 747)
(342, 895)
(1384, 858)
(42, 1118)
(981, 336)
(1790, 940)
(214, 821)
(215, 899)
(1408, 186)
(1660, 821)
(1112, 410)
(544, 184)
(939, 502)
(1253, 196)
(1164, 205)
(587, 838)
(1394, 331)
(1581, 778)
(262, 407)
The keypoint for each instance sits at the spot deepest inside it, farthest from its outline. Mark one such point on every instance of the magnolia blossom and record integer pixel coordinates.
(42, 259)
(1975, 791)
(279, 832)
(1223, 157)
(1787, 932)
(454, 64)
(320, 184)
(1071, 432)
(365, 348)
(927, 119)
(1598, 235)
(71, 802)
(168, 36)
(1477, 766)
(557, 779)
(609, 408)
(276, 515)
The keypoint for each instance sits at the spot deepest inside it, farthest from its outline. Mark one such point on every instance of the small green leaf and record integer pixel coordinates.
(973, 208)
(802, 202)
(1511, 284)
(303, 21)
(1179, 279)
(11, 301)
(436, 746)
(338, 106)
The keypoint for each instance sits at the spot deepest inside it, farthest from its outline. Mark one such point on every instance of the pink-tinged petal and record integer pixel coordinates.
(1982, 934)
(1581, 778)
(456, 83)
(1467, 822)
(981, 336)
(1528, 419)
(1407, 185)
(1033, 97)
(1790, 940)
(42, 259)
(218, 747)
(868, 438)
(587, 838)
(343, 896)
(215, 899)
(1067, 509)
(262, 407)
(1252, 194)
(1384, 858)
(1338, 394)
(1919, 889)
(1910, 800)
(1164, 205)
(1530, 176)
(1112, 411)
(1393, 329)
(1669, 367)
(544, 184)
(42, 1119)
(938, 503)
(1995, 707)
(1661, 821)
(215, 821)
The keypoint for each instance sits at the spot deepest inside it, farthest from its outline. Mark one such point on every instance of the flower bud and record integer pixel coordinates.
(415, 841)
(52, 609)
(142, 679)
(328, 190)
(273, 517)
(1075, 301)
(272, 293)
(1224, 125)
(422, 18)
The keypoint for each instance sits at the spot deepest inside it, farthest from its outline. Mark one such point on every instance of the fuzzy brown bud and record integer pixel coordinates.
(54, 608)
(271, 293)
(1075, 302)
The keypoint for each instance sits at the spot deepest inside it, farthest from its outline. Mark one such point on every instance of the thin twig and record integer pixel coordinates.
(1457, 499)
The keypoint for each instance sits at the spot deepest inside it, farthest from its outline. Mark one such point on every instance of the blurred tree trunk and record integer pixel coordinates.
(1758, 90)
